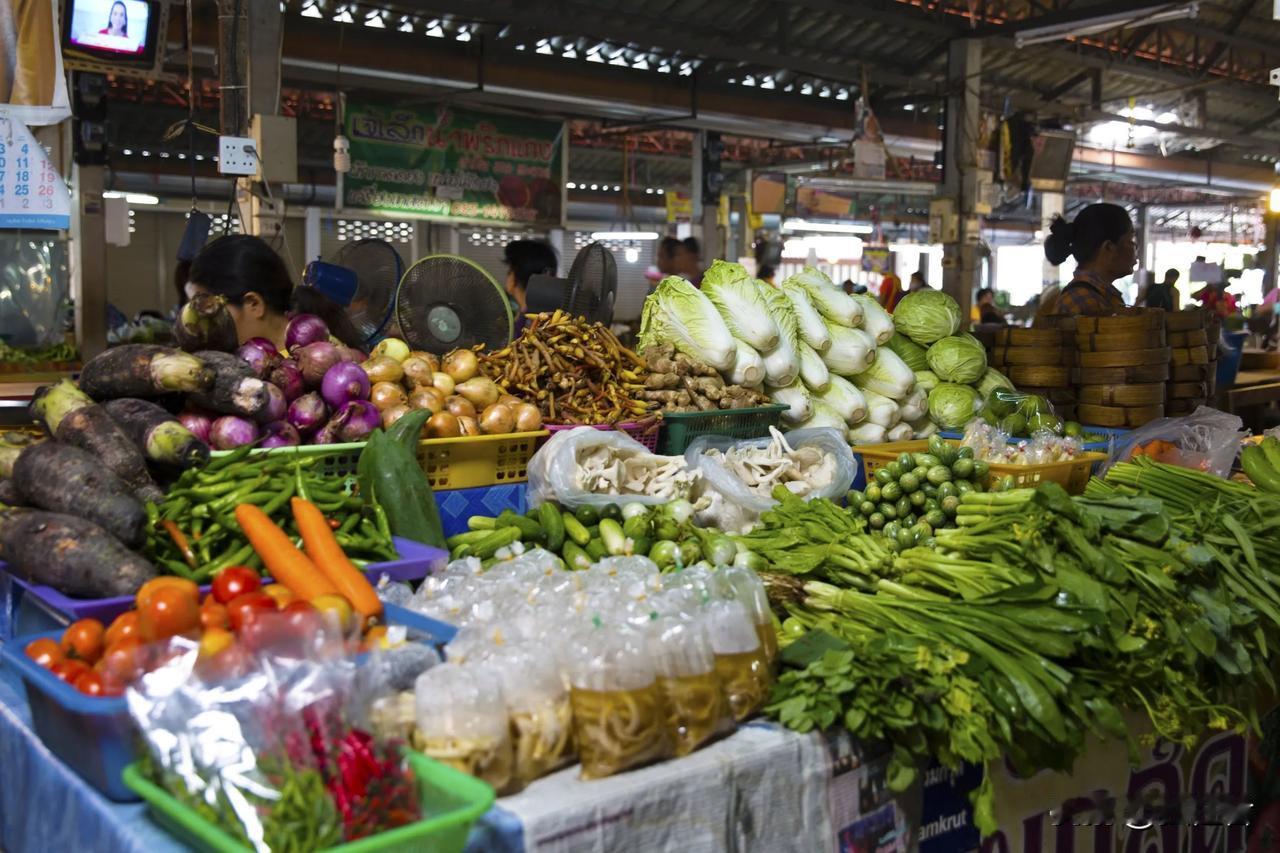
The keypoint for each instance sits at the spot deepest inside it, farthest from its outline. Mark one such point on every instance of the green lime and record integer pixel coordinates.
(1015, 425)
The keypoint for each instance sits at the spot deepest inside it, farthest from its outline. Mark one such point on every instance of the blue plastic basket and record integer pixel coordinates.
(457, 505)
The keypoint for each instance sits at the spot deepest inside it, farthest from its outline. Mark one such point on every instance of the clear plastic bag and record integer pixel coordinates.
(697, 709)
(592, 467)
(462, 721)
(734, 506)
(1206, 440)
(745, 587)
(740, 657)
(541, 714)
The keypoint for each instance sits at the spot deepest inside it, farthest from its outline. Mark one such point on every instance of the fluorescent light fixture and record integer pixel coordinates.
(132, 198)
(826, 227)
(625, 235)
(1104, 22)
(632, 254)
(570, 185)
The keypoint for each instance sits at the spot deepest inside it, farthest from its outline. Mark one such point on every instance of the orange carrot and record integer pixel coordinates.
(322, 547)
(280, 556)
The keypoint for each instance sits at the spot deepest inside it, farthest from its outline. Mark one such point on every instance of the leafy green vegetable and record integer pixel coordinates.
(832, 303)
(679, 314)
(782, 363)
(852, 350)
(927, 316)
(887, 376)
(810, 327)
(957, 359)
(733, 291)
(992, 380)
(951, 406)
(912, 354)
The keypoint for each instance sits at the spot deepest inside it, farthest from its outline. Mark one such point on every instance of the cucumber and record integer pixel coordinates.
(529, 530)
(873, 492)
(595, 550)
(481, 522)
(615, 541)
(553, 525)
(574, 556)
(909, 482)
(612, 511)
(587, 515)
(906, 462)
(883, 477)
(575, 529)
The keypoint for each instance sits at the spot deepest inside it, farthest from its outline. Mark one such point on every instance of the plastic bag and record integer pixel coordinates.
(592, 467)
(697, 707)
(735, 507)
(740, 657)
(538, 703)
(462, 721)
(1206, 440)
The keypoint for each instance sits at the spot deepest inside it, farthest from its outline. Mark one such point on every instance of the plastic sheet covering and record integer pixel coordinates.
(35, 289)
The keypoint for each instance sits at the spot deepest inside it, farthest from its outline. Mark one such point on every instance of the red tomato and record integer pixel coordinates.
(214, 615)
(243, 608)
(123, 661)
(233, 582)
(125, 625)
(84, 640)
(70, 670)
(168, 612)
(91, 684)
(45, 652)
(151, 587)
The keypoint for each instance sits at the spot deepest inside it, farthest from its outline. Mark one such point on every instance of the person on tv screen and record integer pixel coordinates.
(117, 21)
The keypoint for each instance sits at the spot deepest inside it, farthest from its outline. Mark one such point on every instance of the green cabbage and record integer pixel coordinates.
(991, 380)
(957, 359)
(677, 313)
(926, 316)
(734, 293)
(782, 363)
(831, 302)
(951, 406)
(908, 350)
(927, 379)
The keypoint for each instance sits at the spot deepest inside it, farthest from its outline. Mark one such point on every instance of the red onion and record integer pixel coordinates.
(287, 376)
(276, 406)
(197, 423)
(260, 354)
(229, 432)
(280, 434)
(351, 354)
(307, 412)
(315, 361)
(359, 418)
(343, 383)
(304, 329)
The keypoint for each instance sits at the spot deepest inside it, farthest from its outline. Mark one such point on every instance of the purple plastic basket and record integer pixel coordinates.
(645, 433)
(55, 610)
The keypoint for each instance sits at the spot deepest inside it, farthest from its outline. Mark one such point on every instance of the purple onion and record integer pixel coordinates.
(280, 434)
(260, 354)
(307, 412)
(304, 329)
(315, 361)
(328, 434)
(359, 418)
(276, 408)
(229, 432)
(197, 423)
(343, 383)
(287, 376)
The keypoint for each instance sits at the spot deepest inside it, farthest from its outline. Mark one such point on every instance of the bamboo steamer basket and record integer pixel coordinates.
(1192, 338)
(1040, 376)
(1118, 417)
(1057, 396)
(1191, 373)
(1031, 356)
(1017, 336)
(1121, 375)
(1117, 341)
(1188, 390)
(1124, 358)
(1189, 355)
(1177, 408)
(1139, 321)
(1152, 394)
(1185, 321)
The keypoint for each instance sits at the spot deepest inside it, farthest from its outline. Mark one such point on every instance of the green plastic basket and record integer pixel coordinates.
(449, 463)
(679, 429)
(452, 802)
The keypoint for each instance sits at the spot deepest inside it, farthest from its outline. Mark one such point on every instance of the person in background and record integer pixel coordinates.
(917, 282)
(766, 274)
(259, 290)
(117, 21)
(1163, 294)
(526, 258)
(890, 291)
(1102, 241)
(680, 257)
(987, 310)
(1215, 299)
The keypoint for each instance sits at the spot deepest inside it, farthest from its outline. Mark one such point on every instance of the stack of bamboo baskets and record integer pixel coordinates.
(1037, 361)
(1192, 364)
(1122, 365)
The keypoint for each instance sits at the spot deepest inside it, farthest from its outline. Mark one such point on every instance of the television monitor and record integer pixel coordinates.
(115, 32)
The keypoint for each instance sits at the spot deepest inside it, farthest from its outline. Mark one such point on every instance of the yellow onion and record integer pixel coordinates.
(386, 395)
(443, 425)
(497, 419)
(527, 418)
(417, 371)
(427, 398)
(393, 414)
(461, 364)
(383, 368)
(392, 348)
(480, 390)
(468, 425)
(444, 382)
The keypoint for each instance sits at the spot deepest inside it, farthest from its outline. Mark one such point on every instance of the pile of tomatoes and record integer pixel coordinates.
(239, 616)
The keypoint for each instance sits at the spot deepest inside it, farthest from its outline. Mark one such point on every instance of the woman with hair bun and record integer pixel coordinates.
(1102, 241)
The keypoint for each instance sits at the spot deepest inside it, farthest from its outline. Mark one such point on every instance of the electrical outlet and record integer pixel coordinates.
(235, 156)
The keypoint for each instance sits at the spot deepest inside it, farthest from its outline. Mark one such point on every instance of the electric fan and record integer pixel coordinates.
(363, 278)
(447, 301)
(589, 290)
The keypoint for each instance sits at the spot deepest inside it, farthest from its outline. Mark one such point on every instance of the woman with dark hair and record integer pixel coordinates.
(260, 292)
(117, 21)
(1102, 241)
(525, 259)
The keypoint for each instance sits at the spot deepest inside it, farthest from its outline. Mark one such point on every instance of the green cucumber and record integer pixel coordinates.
(575, 530)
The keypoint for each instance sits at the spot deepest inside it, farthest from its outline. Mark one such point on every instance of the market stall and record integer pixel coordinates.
(722, 611)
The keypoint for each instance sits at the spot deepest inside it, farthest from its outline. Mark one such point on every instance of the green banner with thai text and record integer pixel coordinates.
(453, 163)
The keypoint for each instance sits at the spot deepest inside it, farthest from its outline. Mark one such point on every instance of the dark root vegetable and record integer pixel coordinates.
(62, 478)
(229, 432)
(287, 376)
(276, 408)
(343, 383)
(72, 418)
(304, 329)
(160, 436)
(315, 361)
(359, 418)
(307, 412)
(236, 391)
(144, 370)
(280, 434)
(260, 354)
(204, 323)
(70, 554)
(197, 423)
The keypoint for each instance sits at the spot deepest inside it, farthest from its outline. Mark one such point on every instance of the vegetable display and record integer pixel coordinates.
(1261, 462)
(677, 383)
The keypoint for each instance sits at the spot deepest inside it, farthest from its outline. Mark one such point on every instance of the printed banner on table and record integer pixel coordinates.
(454, 163)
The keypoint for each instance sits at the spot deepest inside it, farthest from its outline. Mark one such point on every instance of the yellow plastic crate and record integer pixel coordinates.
(449, 463)
(1073, 474)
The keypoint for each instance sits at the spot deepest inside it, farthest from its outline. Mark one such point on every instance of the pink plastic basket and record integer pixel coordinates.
(645, 433)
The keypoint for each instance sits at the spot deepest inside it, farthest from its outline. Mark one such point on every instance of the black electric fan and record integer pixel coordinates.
(363, 278)
(447, 301)
(588, 291)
